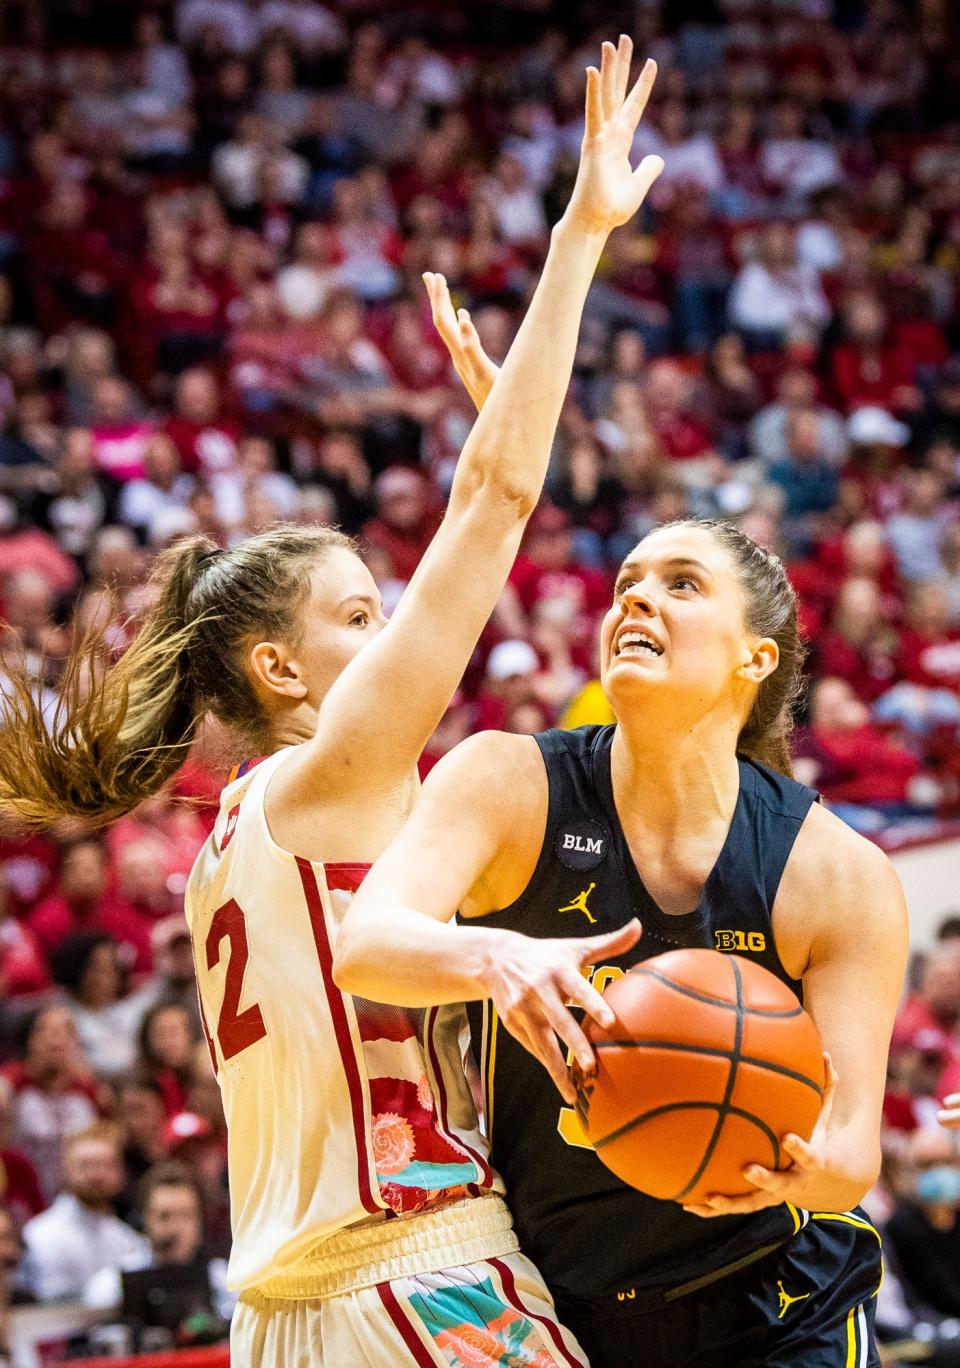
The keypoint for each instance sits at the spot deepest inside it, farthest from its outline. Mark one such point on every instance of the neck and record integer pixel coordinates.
(99, 1206)
(678, 780)
(294, 727)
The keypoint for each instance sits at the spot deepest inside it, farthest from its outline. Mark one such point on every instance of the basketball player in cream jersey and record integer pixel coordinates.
(368, 1226)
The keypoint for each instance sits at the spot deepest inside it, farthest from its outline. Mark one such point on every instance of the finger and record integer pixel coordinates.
(437, 292)
(644, 177)
(539, 1039)
(468, 333)
(802, 1154)
(608, 80)
(831, 1079)
(568, 1028)
(579, 993)
(950, 1118)
(734, 1206)
(952, 1100)
(636, 101)
(594, 110)
(613, 943)
(548, 1052)
(624, 58)
(768, 1180)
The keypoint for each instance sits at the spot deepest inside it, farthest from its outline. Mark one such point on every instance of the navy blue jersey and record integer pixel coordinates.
(587, 1231)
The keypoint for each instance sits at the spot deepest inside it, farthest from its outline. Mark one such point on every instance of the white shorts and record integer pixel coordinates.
(495, 1313)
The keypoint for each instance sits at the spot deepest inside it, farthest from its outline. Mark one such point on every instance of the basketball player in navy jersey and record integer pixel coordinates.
(682, 816)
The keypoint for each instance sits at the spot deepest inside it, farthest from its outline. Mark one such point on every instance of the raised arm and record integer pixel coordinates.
(420, 656)
(463, 848)
(852, 945)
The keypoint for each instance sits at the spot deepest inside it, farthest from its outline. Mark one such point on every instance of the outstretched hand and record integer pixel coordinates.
(459, 336)
(608, 191)
(534, 983)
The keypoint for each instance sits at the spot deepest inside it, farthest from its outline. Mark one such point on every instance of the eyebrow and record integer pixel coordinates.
(674, 563)
(358, 598)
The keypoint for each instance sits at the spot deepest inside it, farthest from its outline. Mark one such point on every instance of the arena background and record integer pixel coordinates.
(213, 219)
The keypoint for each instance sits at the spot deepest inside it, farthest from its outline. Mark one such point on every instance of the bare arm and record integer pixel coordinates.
(854, 939)
(420, 657)
(459, 848)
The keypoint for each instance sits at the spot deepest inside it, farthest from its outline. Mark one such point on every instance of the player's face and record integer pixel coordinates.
(676, 628)
(342, 615)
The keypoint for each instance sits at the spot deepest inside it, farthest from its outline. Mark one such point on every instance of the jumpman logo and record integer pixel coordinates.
(579, 904)
(786, 1301)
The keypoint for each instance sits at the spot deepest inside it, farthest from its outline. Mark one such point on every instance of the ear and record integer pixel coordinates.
(762, 661)
(276, 670)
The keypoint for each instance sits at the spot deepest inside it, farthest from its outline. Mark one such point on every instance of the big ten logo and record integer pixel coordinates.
(755, 942)
(568, 1122)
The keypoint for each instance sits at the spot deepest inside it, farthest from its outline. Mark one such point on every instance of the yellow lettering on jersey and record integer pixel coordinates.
(569, 1125)
(736, 942)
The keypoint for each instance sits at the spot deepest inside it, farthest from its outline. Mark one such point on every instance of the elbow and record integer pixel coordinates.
(497, 487)
(348, 963)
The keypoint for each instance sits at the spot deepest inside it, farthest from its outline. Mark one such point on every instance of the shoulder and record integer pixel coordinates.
(837, 884)
(498, 769)
(829, 850)
(58, 1221)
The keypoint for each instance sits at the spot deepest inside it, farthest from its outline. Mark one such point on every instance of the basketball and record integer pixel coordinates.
(710, 1062)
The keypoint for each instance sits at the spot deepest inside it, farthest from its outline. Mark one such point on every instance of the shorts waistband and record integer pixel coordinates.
(462, 1233)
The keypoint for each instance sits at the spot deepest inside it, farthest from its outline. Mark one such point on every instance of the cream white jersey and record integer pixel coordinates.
(338, 1110)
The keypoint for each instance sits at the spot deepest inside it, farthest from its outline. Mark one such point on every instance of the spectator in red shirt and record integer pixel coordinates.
(853, 762)
(935, 1008)
(546, 568)
(917, 1063)
(23, 970)
(205, 438)
(867, 368)
(683, 437)
(120, 434)
(926, 697)
(166, 1052)
(406, 519)
(82, 903)
(930, 651)
(859, 645)
(19, 1185)
(54, 1093)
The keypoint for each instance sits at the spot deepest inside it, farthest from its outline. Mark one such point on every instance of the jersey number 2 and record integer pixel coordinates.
(236, 1030)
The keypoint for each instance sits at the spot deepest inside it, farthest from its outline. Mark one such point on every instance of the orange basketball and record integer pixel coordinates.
(711, 1061)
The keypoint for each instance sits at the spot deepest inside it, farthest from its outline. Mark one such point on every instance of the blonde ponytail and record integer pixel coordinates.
(119, 731)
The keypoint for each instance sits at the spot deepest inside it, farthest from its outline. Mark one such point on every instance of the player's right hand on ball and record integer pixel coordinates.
(534, 983)
(950, 1114)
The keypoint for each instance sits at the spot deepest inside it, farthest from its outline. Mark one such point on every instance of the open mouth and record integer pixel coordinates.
(637, 644)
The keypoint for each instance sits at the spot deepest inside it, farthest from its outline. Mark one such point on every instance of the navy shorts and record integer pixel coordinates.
(810, 1303)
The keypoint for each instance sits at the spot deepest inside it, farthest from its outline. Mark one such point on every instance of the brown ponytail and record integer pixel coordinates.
(118, 733)
(771, 612)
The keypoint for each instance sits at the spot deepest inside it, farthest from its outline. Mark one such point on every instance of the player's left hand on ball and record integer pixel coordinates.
(950, 1114)
(805, 1176)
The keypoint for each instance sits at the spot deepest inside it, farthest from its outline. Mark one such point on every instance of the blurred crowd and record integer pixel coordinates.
(213, 219)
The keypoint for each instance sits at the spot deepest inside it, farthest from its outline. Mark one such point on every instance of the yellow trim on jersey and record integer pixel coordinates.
(847, 1220)
(852, 1337)
(861, 1225)
(491, 1067)
(797, 1222)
